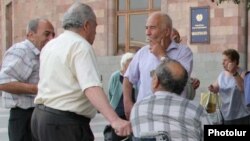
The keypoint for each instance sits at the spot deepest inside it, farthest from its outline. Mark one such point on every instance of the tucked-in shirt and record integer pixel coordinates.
(182, 119)
(20, 64)
(144, 61)
(68, 68)
(232, 99)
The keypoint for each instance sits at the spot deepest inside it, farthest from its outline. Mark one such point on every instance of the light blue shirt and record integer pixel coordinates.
(233, 104)
(144, 61)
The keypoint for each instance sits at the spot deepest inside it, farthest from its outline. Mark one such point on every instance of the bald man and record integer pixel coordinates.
(166, 110)
(158, 32)
(19, 77)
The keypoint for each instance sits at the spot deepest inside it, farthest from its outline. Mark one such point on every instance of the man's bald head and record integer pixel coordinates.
(172, 76)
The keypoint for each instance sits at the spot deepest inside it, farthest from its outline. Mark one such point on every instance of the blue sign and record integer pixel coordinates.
(200, 25)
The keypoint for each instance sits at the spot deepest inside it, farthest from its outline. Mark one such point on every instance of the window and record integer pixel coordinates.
(8, 25)
(131, 19)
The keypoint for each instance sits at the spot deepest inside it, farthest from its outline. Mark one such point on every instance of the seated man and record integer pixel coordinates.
(166, 110)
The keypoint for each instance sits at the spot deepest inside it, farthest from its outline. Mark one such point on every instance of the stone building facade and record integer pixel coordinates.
(228, 29)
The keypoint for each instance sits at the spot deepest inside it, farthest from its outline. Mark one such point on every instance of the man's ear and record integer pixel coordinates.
(86, 25)
(156, 82)
(30, 36)
(168, 32)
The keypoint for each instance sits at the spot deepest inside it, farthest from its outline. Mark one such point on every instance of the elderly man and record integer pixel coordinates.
(166, 110)
(158, 31)
(70, 88)
(19, 77)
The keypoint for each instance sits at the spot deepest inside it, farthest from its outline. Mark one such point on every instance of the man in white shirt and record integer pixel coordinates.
(70, 89)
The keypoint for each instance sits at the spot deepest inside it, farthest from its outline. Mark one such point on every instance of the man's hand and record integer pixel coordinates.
(158, 46)
(213, 89)
(195, 83)
(122, 127)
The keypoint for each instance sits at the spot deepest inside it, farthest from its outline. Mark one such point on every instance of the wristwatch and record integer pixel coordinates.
(236, 74)
(162, 58)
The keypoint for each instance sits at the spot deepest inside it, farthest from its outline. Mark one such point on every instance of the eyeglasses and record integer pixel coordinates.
(152, 72)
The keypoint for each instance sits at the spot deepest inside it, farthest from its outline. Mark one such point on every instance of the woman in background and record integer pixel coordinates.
(230, 86)
(115, 94)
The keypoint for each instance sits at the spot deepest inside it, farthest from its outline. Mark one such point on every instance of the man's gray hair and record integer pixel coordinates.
(77, 15)
(32, 25)
(168, 80)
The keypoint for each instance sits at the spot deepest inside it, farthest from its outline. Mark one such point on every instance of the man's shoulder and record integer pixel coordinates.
(143, 49)
(184, 47)
(19, 48)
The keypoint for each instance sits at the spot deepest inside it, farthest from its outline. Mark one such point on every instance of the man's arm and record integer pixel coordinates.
(127, 97)
(98, 98)
(19, 88)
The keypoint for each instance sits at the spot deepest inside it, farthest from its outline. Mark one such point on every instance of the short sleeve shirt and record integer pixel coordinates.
(68, 68)
(181, 118)
(20, 63)
(144, 61)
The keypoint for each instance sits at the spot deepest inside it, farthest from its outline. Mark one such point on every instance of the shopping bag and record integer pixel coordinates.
(211, 103)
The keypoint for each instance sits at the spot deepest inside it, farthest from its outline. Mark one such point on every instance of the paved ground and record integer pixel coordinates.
(97, 124)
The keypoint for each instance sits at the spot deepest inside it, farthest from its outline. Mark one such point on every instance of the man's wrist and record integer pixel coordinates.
(235, 74)
(162, 58)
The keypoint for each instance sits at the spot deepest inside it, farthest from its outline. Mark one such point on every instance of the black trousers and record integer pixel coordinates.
(19, 124)
(49, 124)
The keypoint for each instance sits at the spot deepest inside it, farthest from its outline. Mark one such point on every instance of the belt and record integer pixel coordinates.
(63, 113)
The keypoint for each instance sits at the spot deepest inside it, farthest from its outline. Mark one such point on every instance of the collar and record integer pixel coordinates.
(76, 35)
(173, 45)
(32, 47)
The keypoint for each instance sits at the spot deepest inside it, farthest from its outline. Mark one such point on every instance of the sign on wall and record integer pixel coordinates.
(200, 25)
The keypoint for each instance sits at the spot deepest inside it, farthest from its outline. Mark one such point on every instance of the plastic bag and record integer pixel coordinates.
(211, 103)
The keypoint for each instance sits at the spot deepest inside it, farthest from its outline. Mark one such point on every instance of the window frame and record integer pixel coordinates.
(127, 13)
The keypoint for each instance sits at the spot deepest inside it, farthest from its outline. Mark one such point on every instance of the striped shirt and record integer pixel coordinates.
(20, 63)
(181, 118)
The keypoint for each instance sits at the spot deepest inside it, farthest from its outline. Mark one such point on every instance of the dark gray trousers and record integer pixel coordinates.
(19, 124)
(49, 124)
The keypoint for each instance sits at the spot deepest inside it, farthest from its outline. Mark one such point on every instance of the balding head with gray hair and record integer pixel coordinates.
(172, 76)
(77, 15)
(33, 25)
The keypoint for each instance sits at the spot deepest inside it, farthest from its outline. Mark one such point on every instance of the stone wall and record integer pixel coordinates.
(25, 10)
(227, 24)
